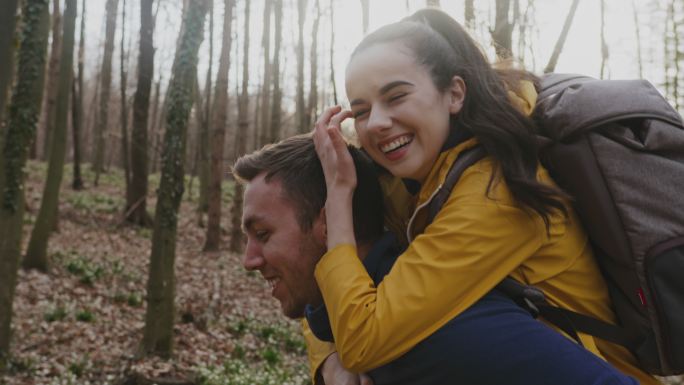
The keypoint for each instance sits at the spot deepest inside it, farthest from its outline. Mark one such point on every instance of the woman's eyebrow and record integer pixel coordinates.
(383, 90)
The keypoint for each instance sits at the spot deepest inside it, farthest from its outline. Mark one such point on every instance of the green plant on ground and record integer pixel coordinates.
(57, 313)
(85, 315)
(83, 268)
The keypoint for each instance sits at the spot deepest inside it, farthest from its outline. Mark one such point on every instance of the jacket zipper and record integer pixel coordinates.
(415, 212)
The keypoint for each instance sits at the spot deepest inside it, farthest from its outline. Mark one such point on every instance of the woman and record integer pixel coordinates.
(421, 92)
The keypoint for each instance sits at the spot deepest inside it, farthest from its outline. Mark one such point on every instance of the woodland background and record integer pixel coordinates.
(120, 242)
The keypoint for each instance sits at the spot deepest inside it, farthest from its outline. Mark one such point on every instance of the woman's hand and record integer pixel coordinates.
(340, 176)
(331, 148)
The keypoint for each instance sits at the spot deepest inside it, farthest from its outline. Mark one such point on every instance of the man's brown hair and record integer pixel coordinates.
(293, 161)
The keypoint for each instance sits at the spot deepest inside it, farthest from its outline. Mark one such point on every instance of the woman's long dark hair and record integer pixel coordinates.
(440, 44)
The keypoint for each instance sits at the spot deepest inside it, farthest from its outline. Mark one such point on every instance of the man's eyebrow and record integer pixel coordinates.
(248, 223)
(384, 89)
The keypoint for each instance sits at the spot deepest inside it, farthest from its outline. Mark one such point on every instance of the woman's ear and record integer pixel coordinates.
(456, 93)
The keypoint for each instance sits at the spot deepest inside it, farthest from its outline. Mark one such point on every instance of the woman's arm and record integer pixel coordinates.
(340, 176)
(461, 256)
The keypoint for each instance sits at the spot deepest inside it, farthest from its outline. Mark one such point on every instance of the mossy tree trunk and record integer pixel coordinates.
(21, 130)
(105, 86)
(136, 200)
(123, 120)
(218, 135)
(236, 235)
(36, 254)
(8, 20)
(159, 315)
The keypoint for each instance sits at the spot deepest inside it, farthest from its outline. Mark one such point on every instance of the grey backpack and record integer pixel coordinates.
(617, 147)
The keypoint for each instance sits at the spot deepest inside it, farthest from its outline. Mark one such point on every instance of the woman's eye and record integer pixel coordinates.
(396, 97)
(360, 114)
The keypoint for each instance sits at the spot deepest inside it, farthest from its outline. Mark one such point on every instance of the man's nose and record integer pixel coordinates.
(253, 258)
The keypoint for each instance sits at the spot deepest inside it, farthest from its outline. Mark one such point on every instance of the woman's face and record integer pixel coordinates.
(401, 118)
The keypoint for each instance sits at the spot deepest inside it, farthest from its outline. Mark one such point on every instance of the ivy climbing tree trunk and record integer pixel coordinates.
(218, 134)
(161, 286)
(105, 86)
(36, 255)
(21, 130)
(8, 20)
(136, 201)
(236, 236)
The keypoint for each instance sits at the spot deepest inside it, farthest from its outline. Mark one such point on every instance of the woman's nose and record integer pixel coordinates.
(379, 119)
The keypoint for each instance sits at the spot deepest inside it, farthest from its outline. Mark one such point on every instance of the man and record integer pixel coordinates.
(493, 342)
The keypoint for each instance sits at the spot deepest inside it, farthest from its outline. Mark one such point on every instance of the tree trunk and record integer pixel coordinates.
(364, 16)
(125, 156)
(153, 131)
(159, 315)
(53, 73)
(677, 55)
(502, 34)
(637, 32)
(311, 110)
(77, 107)
(332, 51)
(301, 125)
(218, 134)
(36, 255)
(604, 45)
(551, 66)
(266, 86)
(470, 14)
(21, 129)
(202, 202)
(276, 107)
(106, 79)
(8, 20)
(136, 203)
(236, 235)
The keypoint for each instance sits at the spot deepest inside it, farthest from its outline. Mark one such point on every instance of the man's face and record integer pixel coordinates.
(278, 248)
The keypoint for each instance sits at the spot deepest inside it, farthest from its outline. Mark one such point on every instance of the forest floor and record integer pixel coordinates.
(82, 323)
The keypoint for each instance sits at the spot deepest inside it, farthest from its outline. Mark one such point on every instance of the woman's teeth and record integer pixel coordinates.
(395, 144)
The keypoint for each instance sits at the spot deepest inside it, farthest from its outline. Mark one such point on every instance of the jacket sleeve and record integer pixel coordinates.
(317, 351)
(473, 243)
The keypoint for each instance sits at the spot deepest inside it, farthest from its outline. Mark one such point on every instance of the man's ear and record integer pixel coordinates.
(320, 227)
(456, 94)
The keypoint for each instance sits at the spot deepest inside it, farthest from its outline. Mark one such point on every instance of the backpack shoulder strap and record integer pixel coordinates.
(529, 297)
(465, 159)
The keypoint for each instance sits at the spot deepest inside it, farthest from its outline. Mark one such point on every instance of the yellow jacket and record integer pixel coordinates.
(473, 243)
